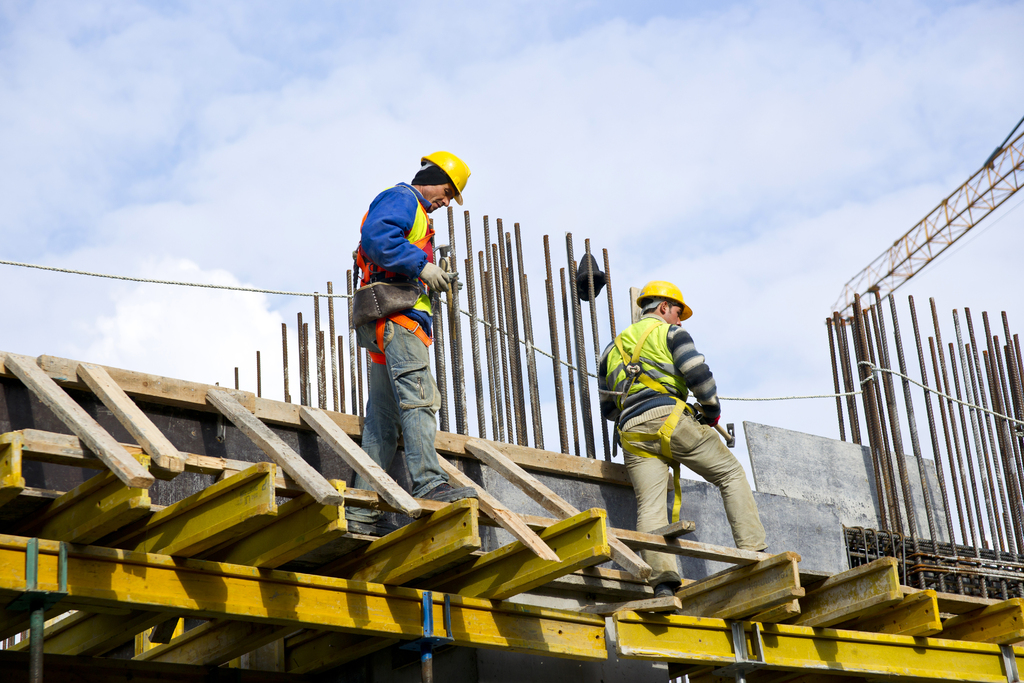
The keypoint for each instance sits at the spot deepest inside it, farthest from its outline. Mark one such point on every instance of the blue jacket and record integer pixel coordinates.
(383, 237)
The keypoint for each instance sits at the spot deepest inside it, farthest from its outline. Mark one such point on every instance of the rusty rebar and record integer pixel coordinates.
(512, 330)
(259, 377)
(302, 362)
(835, 379)
(531, 357)
(595, 336)
(490, 345)
(556, 362)
(455, 336)
(321, 366)
(581, 352)
(842, 339)
(354, 359)
(341, 375)
(996, 387)
(334, 348)
(608, 289)
(568, 359)
(503, 344)
(867, 382)
(440, 368)
(284, 361)
(474, 339)
(888, 470)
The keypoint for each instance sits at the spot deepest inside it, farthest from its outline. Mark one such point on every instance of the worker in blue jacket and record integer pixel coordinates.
(396, 245)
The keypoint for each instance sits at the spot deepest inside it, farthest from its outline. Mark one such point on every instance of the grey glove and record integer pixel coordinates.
(435, 278)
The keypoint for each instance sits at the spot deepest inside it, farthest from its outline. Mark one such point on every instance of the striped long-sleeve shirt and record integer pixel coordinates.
(689, 364)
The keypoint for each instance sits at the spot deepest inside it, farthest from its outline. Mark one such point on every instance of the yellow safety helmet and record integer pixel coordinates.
(664, 290)
(455, 167)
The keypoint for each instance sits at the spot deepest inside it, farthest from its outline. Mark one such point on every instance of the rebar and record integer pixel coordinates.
(844, 353)
(305, 355)
(439, 360)
(302, 362)
(503, 343)
(581, 352)
(835, 379)
(259, 377)
(531, 358)
(236, 377)
(997, 386)
(568, 359)
(455, 335)
(334, 348)
(867, 382)
(321, 366)
(556, 362)
(341, 375)
(497, 343)
(490, 345)
(512, 330)
(594, 335)
(353, 353)
(608, 290)
(888, 471)
(474, 340)
(284, 361)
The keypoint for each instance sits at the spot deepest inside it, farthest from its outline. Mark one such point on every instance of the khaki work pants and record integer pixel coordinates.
(699, 448)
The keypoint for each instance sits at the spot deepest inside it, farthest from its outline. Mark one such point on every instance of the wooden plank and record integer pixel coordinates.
(1002, 624)
(655, 605)
(270, 443)
(87, 633)
(551, 501)
(358, 460)
(508, 520)
(214, 643)
(743, 591)
(316, 651)
(299, 526)
(416, 549)
(580, 541)
(786, 610)
(227, 510)
(954, 603)
(638, 540)
(95, 508)
(167, 462)
(80, 422)
(11, 481)
(683, 526)
(916, 615)
(859, 592)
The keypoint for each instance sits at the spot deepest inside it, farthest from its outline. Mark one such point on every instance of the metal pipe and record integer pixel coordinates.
(581, 352)
(531, 357)
(334, 348)
(556, 364)
(474, 339)
(503, 343)
(37, 623)
(835, 379)
(284, 361)
(568, 359)
(512, 329)
(594, 336)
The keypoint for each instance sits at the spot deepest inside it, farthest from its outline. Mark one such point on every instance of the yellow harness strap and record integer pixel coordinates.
(664, 433)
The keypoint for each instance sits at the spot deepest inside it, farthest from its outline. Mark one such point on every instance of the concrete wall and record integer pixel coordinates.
(835, 473)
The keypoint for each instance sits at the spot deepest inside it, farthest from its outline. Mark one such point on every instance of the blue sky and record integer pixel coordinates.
(758, 154)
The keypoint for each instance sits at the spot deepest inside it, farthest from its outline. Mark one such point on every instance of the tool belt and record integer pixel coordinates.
(380, 300)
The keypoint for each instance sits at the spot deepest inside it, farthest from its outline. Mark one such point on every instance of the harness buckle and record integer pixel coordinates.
(633, 370)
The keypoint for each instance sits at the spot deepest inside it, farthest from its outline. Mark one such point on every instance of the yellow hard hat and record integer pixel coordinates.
(664, 290)
(455, 167)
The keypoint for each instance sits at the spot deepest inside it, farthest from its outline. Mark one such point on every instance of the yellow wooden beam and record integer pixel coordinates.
(916, 615)
(95, 508)
(852, 594)
(11, 481)
(818, 651)
(426, 545)
(299, 526)
(214, 643)
(1000, 623)
(311, 652)
(742, 591)
(85, 633)
(229, 509)
(105, 577)
(580, 541)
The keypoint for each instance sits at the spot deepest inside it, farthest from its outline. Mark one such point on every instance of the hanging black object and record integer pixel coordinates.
(588, 264)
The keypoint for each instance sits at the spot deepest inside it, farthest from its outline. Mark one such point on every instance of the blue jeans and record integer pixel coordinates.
(403, 400)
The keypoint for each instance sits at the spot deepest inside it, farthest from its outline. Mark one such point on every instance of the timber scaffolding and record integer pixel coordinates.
(213, 533)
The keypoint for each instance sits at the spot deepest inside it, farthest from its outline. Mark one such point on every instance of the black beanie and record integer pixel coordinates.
(431, 174)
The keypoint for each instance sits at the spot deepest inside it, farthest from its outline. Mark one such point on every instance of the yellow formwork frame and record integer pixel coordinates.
(109, 578)
(708, 642)
(11, 481)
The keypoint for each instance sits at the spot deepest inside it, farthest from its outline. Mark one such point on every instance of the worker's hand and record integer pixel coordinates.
(711, 415)
(454, 279)
(435, 278)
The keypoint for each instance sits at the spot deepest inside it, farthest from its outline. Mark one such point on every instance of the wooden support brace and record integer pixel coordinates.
(551, 501)
(508, 520)
(683, 526)
(214, 643)
(859, 592)
(1002, 624)
(80, 422)
(358, 460)
(315, 651)
(227, 510)
(11, 481)
(167, 463)
(95, 508)
(278, 451)
(743, 591)
(639, 540)
(580, 541)
(916, 615)
(783, 612)
(655, 605)
(298, 527)
(427, 545)
(87, 633)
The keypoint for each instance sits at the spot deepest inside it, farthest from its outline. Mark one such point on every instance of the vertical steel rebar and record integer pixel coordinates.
(581, 352)
(867, 382)
(321, 366)
(305, 355)
(888, 471)
(504, 399)
(341, 375)
(556, 362)
(353, 353)
(440, 368)
(284, 361)
(236, 377)
(568, 359)
(840, 326)
(503, 344)
(1013, 370)
(835, 379)
(259, 377)
(512, 329)
(474, 339)
(996, 387)
(608, 289)
(969, 464)
(455, 337)
(595, 337)
(334, 348)
(302, 362)
(490, 345)
(531, 357)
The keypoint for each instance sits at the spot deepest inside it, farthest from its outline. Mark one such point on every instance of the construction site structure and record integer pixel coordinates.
(155, 529)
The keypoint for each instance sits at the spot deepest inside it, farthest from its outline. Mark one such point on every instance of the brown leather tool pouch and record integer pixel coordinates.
(381, 299)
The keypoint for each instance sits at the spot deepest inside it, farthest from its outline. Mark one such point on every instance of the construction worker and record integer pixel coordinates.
(646, 374)
(396, 246)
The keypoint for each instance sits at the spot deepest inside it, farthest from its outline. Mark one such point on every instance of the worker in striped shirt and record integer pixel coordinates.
(645, 376)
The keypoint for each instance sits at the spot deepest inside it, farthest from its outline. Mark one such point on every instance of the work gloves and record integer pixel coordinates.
(435, 278)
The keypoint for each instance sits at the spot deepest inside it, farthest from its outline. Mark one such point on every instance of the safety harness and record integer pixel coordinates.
(406, 322)
(635, 372)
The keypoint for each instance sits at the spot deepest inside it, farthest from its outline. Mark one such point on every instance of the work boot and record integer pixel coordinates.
(446, 494)
(666, 590)
(381, 527)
